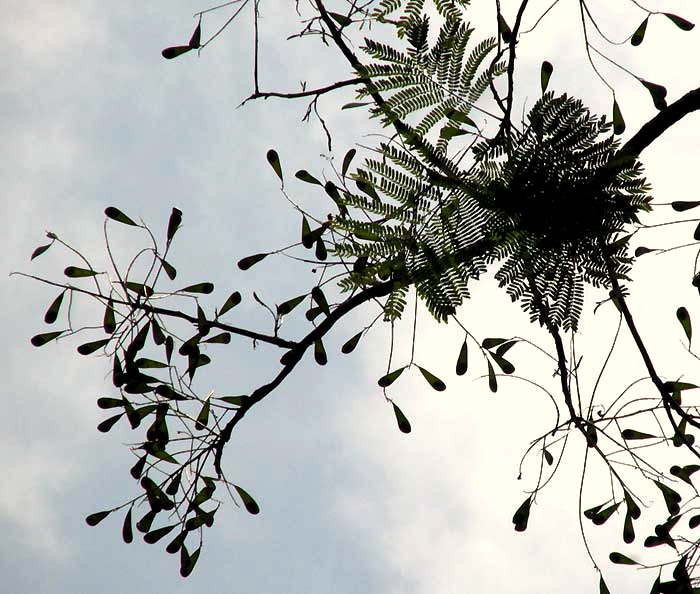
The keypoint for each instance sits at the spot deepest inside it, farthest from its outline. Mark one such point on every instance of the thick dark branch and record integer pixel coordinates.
(293, 356)
(310, 93)
(661, 122)
(403, 129)
(667, 398)
(511, 63)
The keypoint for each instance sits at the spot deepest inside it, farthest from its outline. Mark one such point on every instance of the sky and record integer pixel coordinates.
(92, 116)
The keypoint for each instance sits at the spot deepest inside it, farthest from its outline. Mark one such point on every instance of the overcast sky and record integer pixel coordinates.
(92, 116)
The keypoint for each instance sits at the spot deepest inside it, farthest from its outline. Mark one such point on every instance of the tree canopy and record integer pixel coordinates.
(469, 178)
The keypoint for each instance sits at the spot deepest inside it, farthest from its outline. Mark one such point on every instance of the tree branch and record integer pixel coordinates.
(511, 64)
(320, 91)
(173, 313)
(293, 356)
(661, 122)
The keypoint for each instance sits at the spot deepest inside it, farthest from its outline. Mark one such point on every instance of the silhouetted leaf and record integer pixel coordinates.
(234, 400)
(127, 530)
(320, 352)
(137, 469)
(153, 491)
(332, 191)
(195, 362)
(638, 35)
(306, 239)
(654, 541)
(435, 382)
(342, 20)
(603, 515)
(404, 424)
(42, 339)
(367, 188)
(155, 535)
(155, 450)
(618, 121)
(108, 321)
(545, 74)
(196, 36)
(274, 160)
(657, 92)
(462, 362)
(630, 434)
(489, 343)
(96, 518)
(685, 472)
(90, 347)
(602, 587)
(680, 437)
(106, 403)
(187, 561)
(681, 23)
(247, 262)
(628, 529)
(169, 269)
(460, 116)
(221, 338)
(640, 251)
(174, 51)
(671, 498)
(175, 544)
(248, 501)
(174, 223)
(291, 357)
(40, 250)
(548, 457)
(233, 300)
(505, 365)
(118, 375)
(493, 384)
(349, 156)
(174, 484)
(350, 345)
(504, 29)
(684, 318)
(305, 176)
(449, 132)
(205, 288)
(318, 296)
(694, 522)
(590, 513)
(51, 314)
(620, 559)
(505, 347)
(522, 515)
(75, 272)
(203, 417)
(386, 380)
(139, 288)
(681, 205)
(321, 251)
(355, 104)
(144, 524)
(169, 346)
(632, 508)
(117, 215)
